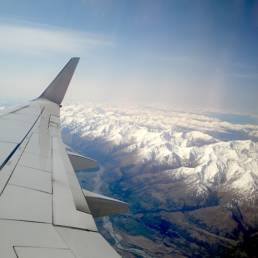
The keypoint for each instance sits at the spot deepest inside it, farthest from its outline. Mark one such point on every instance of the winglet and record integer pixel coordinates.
(57, 88)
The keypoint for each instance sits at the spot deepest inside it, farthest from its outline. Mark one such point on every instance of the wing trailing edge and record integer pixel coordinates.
(56, 90)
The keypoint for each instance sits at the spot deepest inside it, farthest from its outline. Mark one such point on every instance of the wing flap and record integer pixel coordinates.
(69, 205)
(86, 243)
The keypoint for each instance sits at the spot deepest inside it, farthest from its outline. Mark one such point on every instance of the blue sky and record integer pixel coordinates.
(186, 54)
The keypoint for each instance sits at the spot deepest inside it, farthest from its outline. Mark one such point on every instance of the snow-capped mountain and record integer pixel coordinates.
(203, 152)
(191, 180)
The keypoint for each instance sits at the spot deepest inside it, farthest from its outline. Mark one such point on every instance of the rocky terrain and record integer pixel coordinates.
(191, 180)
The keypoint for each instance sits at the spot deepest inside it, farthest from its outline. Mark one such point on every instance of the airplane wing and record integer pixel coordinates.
(44, 213)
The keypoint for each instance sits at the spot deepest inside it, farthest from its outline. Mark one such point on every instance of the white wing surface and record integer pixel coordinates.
(44, 213)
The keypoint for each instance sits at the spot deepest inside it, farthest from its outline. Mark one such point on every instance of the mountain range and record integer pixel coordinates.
(191, 180)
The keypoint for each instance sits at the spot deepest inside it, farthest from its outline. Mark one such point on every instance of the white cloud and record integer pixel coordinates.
(35, 39)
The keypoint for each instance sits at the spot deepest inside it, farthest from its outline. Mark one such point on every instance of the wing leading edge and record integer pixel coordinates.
(39, 191)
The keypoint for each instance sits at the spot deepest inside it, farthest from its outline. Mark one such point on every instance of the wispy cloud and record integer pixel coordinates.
(38, 39)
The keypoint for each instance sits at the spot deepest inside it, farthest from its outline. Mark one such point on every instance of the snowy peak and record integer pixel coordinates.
(206, 153)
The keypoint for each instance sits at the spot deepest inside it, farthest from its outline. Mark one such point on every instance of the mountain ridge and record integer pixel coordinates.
(190, 180)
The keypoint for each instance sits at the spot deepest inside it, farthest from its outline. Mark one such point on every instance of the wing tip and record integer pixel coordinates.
(56, 90)
(75, 58)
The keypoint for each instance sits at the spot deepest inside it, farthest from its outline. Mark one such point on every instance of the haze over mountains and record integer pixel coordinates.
(191, 180)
